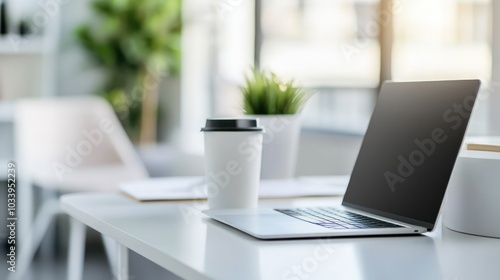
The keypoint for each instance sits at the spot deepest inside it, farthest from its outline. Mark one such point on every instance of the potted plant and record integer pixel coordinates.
(138, 44)
(277, 104)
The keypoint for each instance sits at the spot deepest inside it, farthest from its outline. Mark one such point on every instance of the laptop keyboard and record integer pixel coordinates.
(335, 218)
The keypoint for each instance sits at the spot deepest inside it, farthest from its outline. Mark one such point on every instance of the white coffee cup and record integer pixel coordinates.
(233, 155)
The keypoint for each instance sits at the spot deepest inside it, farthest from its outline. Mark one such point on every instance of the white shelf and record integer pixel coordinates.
(16, 45)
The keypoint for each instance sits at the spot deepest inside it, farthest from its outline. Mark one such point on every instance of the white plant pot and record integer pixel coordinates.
(280, 145)
(471, 204)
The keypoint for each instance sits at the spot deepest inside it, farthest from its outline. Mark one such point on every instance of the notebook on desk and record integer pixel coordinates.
(401, 174)
(485, 144)
(185, 188)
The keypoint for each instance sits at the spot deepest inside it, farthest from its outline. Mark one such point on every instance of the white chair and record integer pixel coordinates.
(69, 144)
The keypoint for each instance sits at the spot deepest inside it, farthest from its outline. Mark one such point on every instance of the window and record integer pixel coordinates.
(334, 48)
(321, 43)
(442, 40)
(328, 46)
(331, 47)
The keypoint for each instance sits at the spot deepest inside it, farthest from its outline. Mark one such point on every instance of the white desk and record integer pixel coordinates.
(195, 247)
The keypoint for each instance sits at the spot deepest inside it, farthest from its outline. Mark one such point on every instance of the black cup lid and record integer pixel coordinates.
(220, 124)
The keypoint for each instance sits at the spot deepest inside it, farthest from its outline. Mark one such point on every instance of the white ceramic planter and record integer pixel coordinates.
(472, 201)
(280, 145)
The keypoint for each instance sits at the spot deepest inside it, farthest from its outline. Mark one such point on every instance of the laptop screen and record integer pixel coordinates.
(410, 148)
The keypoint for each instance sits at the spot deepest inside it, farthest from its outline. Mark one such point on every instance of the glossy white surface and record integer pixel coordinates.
(178, 237)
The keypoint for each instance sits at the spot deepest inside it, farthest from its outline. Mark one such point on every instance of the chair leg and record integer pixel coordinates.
(76, 254)
(32, 241)
(47, 245)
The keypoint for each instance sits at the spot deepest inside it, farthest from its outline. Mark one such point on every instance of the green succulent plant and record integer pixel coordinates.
(266, 94)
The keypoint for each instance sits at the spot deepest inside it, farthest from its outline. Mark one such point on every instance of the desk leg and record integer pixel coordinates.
(122, 267)
(111, 248)
(76, 254)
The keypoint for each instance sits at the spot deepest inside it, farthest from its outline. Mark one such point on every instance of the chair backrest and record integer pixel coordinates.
(56, 136)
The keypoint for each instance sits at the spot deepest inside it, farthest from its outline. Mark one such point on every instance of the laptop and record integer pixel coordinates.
(400, 176)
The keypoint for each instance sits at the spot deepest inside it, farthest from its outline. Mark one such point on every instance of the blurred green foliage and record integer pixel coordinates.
(132, 39)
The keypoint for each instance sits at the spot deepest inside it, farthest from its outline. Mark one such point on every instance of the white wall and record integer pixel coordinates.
(494, 125)
(76, 74)
(20, 76)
